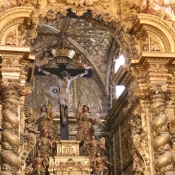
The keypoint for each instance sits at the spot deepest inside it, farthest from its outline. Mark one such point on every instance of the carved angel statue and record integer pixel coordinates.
(44, 59)
(86, 120)
(30, 122)
(81, 63)
(102, 141)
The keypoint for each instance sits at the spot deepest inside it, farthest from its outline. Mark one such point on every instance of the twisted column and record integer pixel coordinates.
(161, 136)
(154, 78)
(14, 73)
(10, 135)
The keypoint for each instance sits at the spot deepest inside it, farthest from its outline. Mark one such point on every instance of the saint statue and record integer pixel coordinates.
(100, 164)
(45, 119)
(85, 123)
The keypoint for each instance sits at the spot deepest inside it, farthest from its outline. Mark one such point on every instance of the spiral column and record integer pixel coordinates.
(10, 134)
(155, 81)
(161, 135)
(14, 71)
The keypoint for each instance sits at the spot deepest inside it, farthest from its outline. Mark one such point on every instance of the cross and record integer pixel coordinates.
(61, 68)
(64, 133)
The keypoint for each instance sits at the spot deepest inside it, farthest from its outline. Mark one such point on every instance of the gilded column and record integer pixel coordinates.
(10, 135)
(158, 76)
(155, 84)
(12, 84)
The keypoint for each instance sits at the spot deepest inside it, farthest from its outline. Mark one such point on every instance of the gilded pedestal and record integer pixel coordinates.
(68, 161)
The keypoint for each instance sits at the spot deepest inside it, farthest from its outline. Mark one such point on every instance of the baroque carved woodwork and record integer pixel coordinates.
(141, 119)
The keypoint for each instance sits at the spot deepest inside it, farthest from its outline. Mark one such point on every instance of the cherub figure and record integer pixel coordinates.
(80, 63)
(30, 122)
(162, 9)
(44, 59)
(6, 4)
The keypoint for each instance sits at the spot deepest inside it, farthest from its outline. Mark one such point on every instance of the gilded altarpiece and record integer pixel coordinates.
(123, 18)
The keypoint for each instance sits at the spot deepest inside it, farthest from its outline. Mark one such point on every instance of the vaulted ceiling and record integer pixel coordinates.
(92, 40)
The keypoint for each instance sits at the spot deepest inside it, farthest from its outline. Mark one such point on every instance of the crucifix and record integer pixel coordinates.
(65, 77)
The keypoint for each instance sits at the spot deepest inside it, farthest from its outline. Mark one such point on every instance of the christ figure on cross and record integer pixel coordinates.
(63, 85)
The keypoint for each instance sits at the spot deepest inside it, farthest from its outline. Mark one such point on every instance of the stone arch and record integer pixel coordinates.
(10, 22)
(161, 32)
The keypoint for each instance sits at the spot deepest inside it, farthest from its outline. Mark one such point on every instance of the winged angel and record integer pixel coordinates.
(86, 120)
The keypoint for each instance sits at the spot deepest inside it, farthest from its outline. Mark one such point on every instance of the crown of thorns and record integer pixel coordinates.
(64, 74)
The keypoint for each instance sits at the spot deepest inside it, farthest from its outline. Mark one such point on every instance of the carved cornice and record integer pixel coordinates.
(155, 56)
(13, 49)
(15, 63)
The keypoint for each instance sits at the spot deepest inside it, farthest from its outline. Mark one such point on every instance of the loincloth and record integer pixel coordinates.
(64, 97)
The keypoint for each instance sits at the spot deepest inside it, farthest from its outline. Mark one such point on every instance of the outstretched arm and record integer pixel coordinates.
(47, 73)
(79, 75)
(44, 72)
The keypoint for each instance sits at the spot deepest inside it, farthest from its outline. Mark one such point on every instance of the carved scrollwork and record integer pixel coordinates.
(28, 142)
(140, 140)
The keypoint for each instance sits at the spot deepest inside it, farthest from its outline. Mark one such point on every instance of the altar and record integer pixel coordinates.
(68, 160)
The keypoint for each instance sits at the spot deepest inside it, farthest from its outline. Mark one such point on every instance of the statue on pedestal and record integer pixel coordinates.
(100, 165)
(45, 119)
(85, 123)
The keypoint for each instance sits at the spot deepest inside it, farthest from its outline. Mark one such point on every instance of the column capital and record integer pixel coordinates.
(15, 63)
